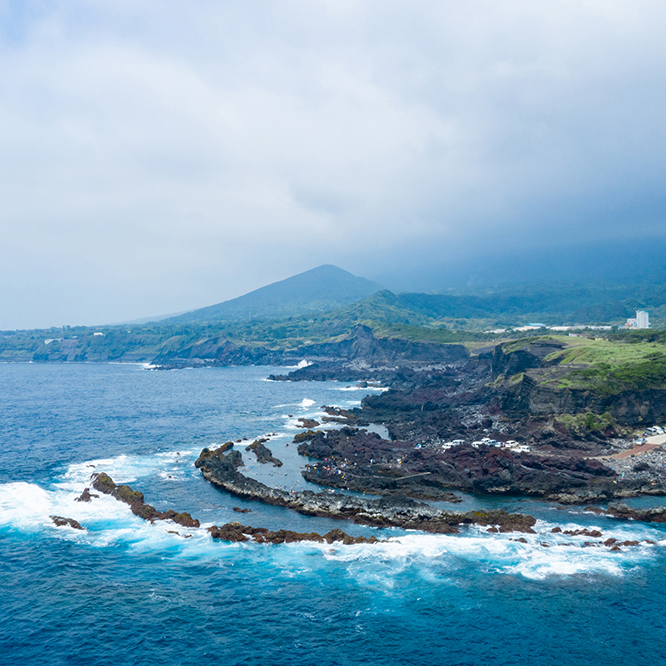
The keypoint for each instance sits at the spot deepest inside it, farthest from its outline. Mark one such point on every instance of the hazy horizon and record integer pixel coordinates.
(160, 158)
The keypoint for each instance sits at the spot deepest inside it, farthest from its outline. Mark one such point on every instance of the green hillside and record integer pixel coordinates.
(324, 288)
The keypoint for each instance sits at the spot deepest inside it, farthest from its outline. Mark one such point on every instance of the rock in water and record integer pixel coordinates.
(85, 496)
(61, 522)
(238, 533)
(105, 484)
(263, 453)
(307, 423)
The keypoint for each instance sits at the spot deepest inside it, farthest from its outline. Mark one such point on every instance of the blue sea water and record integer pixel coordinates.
(128, 592)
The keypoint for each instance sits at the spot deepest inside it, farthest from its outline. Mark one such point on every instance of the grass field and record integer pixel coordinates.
(611, 366)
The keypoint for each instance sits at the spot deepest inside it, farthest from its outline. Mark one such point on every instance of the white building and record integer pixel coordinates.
(642, 320)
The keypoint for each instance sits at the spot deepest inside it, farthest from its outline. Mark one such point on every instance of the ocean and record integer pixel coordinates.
(128, 592)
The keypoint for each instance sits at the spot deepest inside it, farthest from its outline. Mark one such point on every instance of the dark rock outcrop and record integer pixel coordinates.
(60, 521)
(307, 423)
(85, 496)
(238, 533)
(651, 515)
(105, 484)
(263, 453)
(217, 468)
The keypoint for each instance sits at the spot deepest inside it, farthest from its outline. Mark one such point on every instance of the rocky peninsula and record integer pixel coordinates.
(220, 467)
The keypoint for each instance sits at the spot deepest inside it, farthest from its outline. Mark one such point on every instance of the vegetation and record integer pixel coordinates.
(623, 359)
(606, 366)
(587, 422)
(610, 379)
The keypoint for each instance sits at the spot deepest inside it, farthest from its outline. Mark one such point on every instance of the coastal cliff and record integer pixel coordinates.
(539, 380)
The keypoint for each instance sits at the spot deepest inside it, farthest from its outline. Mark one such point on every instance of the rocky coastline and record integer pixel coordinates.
(569, 435)
(220, 467)
(354, 459)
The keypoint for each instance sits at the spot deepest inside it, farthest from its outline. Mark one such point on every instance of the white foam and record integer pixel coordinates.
(499, 553)
(379, 389)
(125, 468)
(107, 522)
(306, 402)
(27, 507)
(23, 504)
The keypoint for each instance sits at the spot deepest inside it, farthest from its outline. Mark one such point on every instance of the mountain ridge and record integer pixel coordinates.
(319, 289)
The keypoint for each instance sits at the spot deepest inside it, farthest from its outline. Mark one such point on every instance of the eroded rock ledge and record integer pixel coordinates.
(623, 512)
(237, 532)
(105, 484)
(219, 467)
(263, 453)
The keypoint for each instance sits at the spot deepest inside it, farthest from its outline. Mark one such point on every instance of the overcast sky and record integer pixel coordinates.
(161, 156)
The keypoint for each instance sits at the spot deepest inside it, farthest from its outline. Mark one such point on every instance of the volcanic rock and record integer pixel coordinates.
(85, 496)
(105, 484)
(263, 453)
(61, 522)
(399, 511)
(236, 532)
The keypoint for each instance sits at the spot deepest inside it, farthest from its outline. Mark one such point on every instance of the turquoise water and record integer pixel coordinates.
(128, 592)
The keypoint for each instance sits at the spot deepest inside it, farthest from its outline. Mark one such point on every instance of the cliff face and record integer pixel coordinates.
(533, 386)
(531, 396)
(510, 360)
(639, 407)
(360, 346)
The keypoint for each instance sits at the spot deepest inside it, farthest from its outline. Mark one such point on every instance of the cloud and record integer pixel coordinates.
(156, 157)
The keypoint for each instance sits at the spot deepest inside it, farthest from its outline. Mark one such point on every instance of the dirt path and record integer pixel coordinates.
(650, 443)
(643, 448)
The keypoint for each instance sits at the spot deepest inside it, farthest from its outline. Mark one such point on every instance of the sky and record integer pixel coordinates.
(160, 156)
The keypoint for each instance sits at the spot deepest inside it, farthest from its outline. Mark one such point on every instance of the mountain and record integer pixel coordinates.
(519, 304)
(324, 288)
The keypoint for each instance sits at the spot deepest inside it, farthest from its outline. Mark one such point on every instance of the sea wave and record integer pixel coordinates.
(128, 468)
(27, 507)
